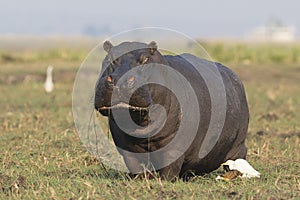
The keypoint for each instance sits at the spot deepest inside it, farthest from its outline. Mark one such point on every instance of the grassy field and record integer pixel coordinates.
(42, 157)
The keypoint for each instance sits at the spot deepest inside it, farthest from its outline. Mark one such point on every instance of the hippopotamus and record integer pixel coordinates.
(117, 97)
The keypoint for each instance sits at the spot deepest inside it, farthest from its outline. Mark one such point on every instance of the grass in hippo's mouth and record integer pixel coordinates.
(124, 105)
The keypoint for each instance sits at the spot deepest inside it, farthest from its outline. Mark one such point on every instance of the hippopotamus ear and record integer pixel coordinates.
(107, 45)
(153, 47)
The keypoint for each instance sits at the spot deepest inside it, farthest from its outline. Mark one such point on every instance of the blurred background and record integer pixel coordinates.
(200, 19)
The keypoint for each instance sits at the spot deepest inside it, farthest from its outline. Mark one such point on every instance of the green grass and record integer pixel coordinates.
(249, 53)
(42, 157)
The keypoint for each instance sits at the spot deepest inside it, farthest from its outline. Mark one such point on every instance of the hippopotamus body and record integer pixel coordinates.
(135, 101)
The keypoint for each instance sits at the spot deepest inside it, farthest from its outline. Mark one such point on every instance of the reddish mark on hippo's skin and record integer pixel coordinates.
(131, 78)
(109, 79)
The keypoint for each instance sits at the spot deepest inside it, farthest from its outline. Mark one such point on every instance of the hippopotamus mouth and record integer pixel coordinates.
(123, 105)
(139, 102)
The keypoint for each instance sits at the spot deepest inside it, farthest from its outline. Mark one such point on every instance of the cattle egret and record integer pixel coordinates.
(242, 166)
(49, 82)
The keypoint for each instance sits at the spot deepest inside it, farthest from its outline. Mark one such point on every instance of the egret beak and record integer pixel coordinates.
(225, 166)
(225, 163)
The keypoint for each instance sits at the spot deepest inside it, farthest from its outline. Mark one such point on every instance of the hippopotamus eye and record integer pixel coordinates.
(110, 70)
(114, 62)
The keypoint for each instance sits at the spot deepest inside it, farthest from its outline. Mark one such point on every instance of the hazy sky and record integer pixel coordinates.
(209, 18)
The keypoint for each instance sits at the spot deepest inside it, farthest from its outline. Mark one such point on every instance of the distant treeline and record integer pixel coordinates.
(235, 52)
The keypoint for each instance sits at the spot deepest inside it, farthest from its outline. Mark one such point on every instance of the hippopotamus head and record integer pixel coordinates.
(117, 76)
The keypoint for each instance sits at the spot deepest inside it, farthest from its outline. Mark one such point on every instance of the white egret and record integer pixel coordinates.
(49, 81)
(239, 165)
